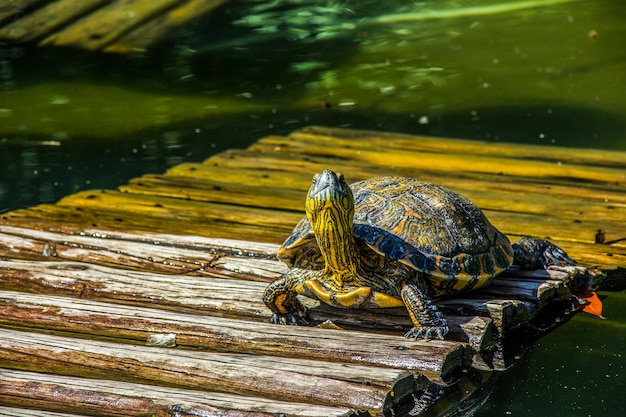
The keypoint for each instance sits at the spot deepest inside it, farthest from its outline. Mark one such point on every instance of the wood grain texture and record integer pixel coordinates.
(108, 23)
(438, 360)
(300, 380)
(51, 16)
(9, 9)
(101, 397)
(112, 26)
(160, 26)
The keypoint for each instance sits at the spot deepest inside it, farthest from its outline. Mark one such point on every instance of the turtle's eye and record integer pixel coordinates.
(315, 177)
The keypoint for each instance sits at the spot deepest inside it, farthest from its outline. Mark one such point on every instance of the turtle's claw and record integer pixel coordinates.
(427, 332)
(553, 255)
(296, 318)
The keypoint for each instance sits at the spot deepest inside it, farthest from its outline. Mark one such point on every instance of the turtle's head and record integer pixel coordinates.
(330, 209)
(330, 203)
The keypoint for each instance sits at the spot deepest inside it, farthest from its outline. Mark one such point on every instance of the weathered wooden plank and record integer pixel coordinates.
(318, 150)
(544, 212)
(546, 209)
(466, 327)
(540, 288)
(180, 245)
(375, 139)
(15, 8)
(508, 317)
(209, 295)
(167, 256)
(294, 172)
(243, 299)
(497, 194)
(242, 192)
(506, 314)
(173, 208)
(441, 361)
(85, 249)
(104, 398)
(74, 219)
(272, 177)
(150, 32)
(201, 256)
(77, 219)
(184, 293)
(300, 380)
(561, 231)
(530, 161)
(23, 412)
(108, 23)
(465, 397)
(449, 162)
(47, 18)
(151, 252)
(171, 254)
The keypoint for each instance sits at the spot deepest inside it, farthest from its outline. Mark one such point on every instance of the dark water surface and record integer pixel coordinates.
(544, 72)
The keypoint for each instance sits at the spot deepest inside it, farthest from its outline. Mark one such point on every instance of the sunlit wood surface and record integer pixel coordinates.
(146, 300)
(118, 26)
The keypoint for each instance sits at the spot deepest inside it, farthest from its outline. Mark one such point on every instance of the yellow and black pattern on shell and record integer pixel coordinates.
(432, 229)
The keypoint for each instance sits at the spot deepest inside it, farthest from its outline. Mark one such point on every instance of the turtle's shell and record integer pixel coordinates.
(427, 227)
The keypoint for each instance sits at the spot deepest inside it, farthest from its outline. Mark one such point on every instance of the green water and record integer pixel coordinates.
(545, 72)
(577, 370)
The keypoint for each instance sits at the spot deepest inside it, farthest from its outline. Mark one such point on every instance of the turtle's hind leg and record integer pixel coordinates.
(428, 320)
(281, 298)
(531, 253)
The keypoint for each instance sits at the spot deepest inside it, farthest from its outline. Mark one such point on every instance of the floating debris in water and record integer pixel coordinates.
(59, 99)
(347, 103)
(308, 66)
(386, 89)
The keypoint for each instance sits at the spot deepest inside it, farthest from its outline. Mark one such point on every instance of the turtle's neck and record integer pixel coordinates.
(330, 210)
(336, 242)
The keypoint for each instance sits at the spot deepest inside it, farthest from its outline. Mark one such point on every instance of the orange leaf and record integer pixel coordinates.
(594, 305)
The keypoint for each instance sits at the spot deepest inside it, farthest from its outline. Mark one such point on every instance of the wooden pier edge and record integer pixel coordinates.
(87, 282)
(112, 26)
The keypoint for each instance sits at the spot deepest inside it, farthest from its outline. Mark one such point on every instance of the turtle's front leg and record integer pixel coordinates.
(428, 320)
(531, 253)
(281, 298)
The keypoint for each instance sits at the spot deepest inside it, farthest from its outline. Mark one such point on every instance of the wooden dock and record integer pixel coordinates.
(146, 300)
(114, 26)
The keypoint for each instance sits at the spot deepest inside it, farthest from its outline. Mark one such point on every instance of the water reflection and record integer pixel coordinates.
(7, 55)
(45, 171)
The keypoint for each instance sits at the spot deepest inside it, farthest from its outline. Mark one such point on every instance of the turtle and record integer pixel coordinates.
(392, 242)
